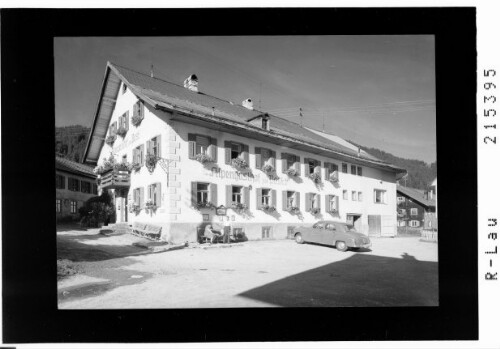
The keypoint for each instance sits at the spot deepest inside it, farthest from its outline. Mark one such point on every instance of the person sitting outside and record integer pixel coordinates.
(212, 234)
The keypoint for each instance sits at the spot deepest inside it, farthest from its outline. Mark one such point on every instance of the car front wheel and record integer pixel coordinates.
(341, 246)
(299, 239)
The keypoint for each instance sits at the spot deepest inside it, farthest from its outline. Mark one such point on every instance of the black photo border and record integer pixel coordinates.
(30, 313)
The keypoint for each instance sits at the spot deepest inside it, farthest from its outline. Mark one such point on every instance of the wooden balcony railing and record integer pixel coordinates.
(115, 179)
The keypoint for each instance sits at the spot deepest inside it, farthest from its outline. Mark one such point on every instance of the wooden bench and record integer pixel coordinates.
(149, 231)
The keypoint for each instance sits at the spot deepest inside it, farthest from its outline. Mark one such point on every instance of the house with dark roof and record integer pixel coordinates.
(416, 210)
(75, 184)
(191, 159)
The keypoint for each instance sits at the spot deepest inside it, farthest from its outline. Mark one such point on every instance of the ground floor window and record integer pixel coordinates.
(267, 232)
(58, 205)
(379, 196)
(401, 223)
(414, 224)
(154, 195)
(73, 206)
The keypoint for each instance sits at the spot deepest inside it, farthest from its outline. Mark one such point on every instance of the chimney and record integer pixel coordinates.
(247, 103)
(191, 83)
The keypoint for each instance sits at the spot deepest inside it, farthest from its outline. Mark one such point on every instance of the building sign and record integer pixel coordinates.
(126, 143)
(247, 176)
(220, 211)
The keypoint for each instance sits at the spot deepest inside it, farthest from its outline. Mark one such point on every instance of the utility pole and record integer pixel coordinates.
(300, 115)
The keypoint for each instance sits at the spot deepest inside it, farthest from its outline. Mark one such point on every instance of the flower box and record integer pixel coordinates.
(293, 209)
(122, 166)
(110, 139)
(268, 208)
(151, 161)
(135, 166)
(238, 206)
(203, 158)
(136, 120)
(292, 172)
(150, 205)
(204, 204)
(314, 210)
(239, 164)
(268, 169)
(334, 211)
(315, 177)
(122, 131)
(333, 177)
(134, 209)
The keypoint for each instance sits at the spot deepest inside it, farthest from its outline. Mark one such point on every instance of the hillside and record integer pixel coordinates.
(70, 141)
(420, 174)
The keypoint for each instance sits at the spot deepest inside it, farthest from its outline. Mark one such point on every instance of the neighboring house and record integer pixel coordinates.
(416, 210)
(75, 184)
(191, 151)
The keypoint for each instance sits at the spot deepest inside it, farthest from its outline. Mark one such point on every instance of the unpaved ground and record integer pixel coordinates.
(395, 272)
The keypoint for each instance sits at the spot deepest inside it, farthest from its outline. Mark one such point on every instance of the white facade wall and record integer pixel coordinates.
(179, 220)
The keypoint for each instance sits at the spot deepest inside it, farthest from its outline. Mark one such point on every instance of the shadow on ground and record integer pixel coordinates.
(361, 280)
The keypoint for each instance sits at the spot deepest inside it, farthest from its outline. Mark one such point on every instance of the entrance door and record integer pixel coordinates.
(121, 201)
(354, 220)
(374, 225)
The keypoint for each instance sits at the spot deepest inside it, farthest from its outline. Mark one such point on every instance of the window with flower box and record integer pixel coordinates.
(290, 163)
(331, 203)
(113, 129)
(331, 172)
(237, 196)
(265, 159)
(123, 124)
(313, 202)
(154, 194)
(236, 151)
(139, 197)
(137, 113)
(138, 155)
(203, 195)
(312, 166)
(60, 182)
(86, 187)
(414, 224)
(202, 148)
(58, 205)
(73, 184)
(266, 199)
(291, 200)
(73, 206)
(153, 146)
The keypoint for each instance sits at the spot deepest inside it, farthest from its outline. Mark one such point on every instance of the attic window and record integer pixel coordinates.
(124, 88)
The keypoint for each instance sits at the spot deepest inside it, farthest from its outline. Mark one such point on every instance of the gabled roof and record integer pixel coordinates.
(66, 165)
(416, 195)
(162, 94)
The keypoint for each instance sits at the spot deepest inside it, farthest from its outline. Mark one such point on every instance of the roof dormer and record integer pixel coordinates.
(262, 121)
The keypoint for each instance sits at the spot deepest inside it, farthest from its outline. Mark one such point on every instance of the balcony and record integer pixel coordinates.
(115, 179)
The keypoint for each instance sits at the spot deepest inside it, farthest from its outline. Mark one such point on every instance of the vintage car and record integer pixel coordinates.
(338, 234)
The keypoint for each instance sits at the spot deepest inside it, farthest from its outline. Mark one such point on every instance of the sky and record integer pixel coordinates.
(377, 91)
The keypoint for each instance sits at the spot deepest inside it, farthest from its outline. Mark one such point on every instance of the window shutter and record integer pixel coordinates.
(273, 198)
(158, 140)
(212, 149)
(194, 198)
(258, 158)
(136, 109)
(192, 145)
(229, 192)
(327, 170)
(327, 202)
(317, 169)
(158, 194)
(134, 155)
(213, 193)
(246, 196)
(360, 171)
(337, 203)
(148, 147)
(308, 202)
(141, 154)
(149, 192)
(141, 108)
(318, 201)
(374, 196)
(297, 165)
(284, 167)
(272, 160)
(297, 199)
(141, 196)
(227, 152)
(284, 199)
(259, 199)
(245, 153)
(126, 121)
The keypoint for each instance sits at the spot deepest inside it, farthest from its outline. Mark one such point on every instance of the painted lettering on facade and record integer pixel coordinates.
(127, 142)
(247, 176)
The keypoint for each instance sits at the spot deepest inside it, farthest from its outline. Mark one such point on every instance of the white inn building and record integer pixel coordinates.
(192, 152)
